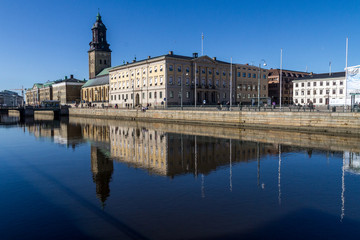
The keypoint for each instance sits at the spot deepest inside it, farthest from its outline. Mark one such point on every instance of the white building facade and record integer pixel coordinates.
(321, 89)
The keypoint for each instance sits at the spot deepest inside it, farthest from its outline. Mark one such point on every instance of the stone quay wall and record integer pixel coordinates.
(339, 123)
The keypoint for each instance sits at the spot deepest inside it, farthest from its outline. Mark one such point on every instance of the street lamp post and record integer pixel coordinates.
(259, 76)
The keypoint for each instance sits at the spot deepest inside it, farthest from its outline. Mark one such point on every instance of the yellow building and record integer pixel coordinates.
(169, 80)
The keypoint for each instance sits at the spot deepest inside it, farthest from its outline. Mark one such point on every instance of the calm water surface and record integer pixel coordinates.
(97, 179)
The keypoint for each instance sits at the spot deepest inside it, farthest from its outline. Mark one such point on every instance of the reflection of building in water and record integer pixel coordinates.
(62, 133)
(140, 147)
(96, 133)
(102, 169)
(352, 162)
(173, 154)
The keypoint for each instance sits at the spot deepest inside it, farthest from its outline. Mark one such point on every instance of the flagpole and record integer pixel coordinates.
(346, 66)
(230, 84)
(202, 44)
(280, 76)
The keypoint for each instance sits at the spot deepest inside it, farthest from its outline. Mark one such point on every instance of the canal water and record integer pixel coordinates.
(103, 179)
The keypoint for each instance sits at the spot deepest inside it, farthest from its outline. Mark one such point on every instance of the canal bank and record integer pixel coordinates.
(336, 123)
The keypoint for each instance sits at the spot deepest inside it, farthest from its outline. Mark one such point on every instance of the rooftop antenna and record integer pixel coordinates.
(330, 68)
(306, 69)
(202, 44)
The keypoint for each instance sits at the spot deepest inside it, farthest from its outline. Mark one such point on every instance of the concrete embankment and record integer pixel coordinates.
(337, 123)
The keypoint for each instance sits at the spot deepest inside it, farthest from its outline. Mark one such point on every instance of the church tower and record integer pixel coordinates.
(99, 53)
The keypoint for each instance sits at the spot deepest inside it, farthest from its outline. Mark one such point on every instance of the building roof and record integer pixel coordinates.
(322, 76)
(105, 71)
(170, 55)
(101, 80)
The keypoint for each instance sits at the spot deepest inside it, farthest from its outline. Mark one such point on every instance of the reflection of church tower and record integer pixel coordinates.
(99, 53)
(102, 169)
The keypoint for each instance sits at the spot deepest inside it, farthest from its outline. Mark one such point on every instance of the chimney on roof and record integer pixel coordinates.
(133, 60)
(195, 55)
(127, 62)
(149, 57)
(311, 73)
(71, 76)
(65, 77)
(171, 53)
(214, 58)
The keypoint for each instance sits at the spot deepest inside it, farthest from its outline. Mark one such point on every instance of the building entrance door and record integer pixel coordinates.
(137, 100)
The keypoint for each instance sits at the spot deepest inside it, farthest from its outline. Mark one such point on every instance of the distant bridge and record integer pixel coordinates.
(28, 111)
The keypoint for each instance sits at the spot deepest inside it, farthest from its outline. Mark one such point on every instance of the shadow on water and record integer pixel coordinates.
(301, 224)
(125, 229)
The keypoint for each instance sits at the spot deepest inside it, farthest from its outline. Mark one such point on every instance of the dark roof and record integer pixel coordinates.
(323, 75)
(101, 80)
(168, 55)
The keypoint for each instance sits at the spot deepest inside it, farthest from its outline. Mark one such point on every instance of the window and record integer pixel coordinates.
(155, 95)
(244, 74)
(138, 72)
(314, 92)
(239, 74)
(143, 95)
(210, 72)
(308, 84)
(320, 100)
(341, 91)
(296, 85)
(302, 93)
(171, 94)
(187, 81)
(296, 93)
(104, 61)
(155, 80)
(254, 87)
(170, 80)
(239, 86)
(321, 92)
(150, 81)
(224, 84)
(203, 82)
(138, 82)
(161, 68)
(224, 95)
(308, 92)
(334, 91)
(187, 94)
(100, 61)
(161, 80)
(149, 95)
(170, 68)
(334, 83)
(202, 70)
(249, 75)
(217, 72)
(264, 76)
(224, 74)
(254, 75)
(302, 84)
(179, 69)
(314, 100)
(155, 69)
(296, 101)
(341, 83)
(187, 69)
(160, 93)
(327, 83)
(179, 81)
(302, 100)
(314, 84)
(144, 81)
(144, 71)
(321, 83)
(217, 82)
(150, 69)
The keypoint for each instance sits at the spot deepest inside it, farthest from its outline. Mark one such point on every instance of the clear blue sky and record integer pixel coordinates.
(46, 40)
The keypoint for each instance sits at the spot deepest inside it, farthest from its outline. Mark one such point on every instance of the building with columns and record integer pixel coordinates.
(169, 79)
